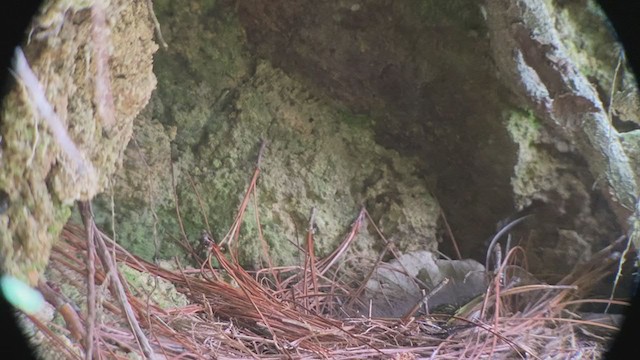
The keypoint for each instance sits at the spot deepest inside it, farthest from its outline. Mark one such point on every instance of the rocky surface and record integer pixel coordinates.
(38, 183)
(408, 108)
(397, 106)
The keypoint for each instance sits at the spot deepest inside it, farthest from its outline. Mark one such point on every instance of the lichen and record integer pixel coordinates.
(38, 178)
(313, 159)
(537, 170)
(547, 172)
(161, 292)
(631, 144)
(589, 38)
(213, 106)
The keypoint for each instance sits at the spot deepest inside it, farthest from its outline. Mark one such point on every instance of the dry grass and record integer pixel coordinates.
(305, 312)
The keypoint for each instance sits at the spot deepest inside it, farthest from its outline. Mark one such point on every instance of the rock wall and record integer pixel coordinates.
(412, 109)
(214, 113)
(38, 183)
(563, 65)
(400, 106)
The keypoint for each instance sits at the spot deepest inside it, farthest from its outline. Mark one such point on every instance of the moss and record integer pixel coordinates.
(313, 159)
(209, 6)
(524, 127)
(52, 13)
(536, 170)
(210, 44)
(590, 40)
(61, 215)
(631, 143)
(219, 101)
(457, 12)
(40, 180)
(160, 291)
(356, 120)
(544, 173)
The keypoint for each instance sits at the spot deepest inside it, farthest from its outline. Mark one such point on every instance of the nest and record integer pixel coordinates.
(308, 311)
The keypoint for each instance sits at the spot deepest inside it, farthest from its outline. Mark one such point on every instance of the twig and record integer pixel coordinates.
(113, 217)
(233, 233)
(263, 241)
(148, 302)
(247, 294)
(518, 348)
(505, 229)
(392, 248)
(311, 258)
(315, 336)
(156, 24)
(425, 299)
(496, 306)
(623, 258)
(613, 88)
(70, 316)
(450, 233)
(52, 336)
(497, 251)
(121, 295)
(200, 203)
(186, 280)
(185, 239)
(325, 264)
(363, 285)
(119, 292)
(87, 218)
